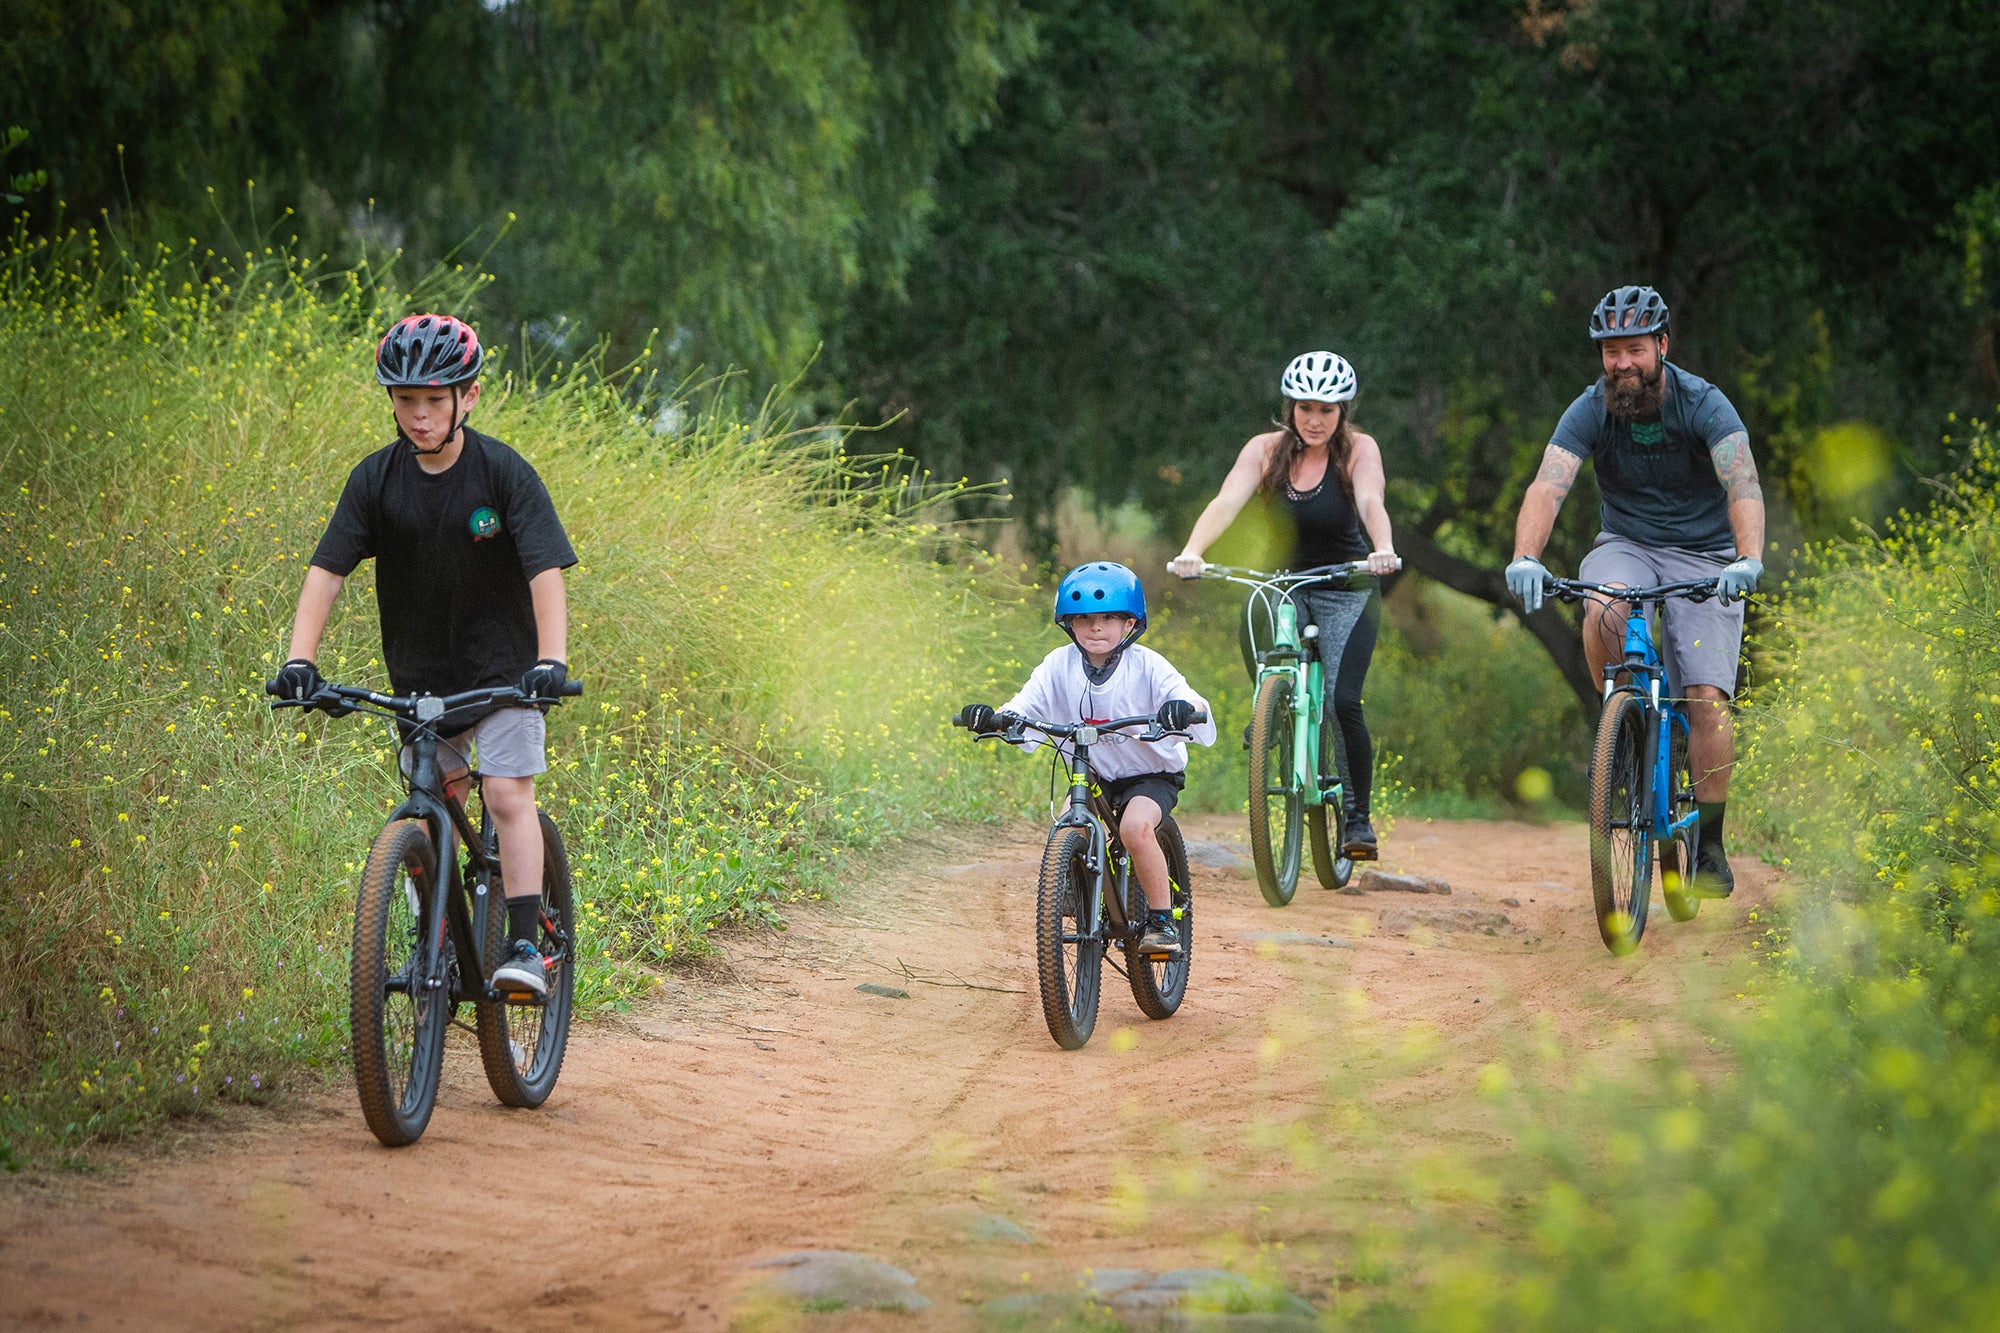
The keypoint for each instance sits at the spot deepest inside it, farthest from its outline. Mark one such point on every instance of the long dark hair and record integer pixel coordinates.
(1339, 451)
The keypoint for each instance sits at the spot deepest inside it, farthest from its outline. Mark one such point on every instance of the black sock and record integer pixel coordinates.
(524, 918)
(1711, 821)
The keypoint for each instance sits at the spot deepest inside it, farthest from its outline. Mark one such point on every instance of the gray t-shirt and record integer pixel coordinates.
(1655, 479)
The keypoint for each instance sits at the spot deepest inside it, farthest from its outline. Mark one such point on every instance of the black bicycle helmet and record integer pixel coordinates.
(428, 351)
(1629, 312)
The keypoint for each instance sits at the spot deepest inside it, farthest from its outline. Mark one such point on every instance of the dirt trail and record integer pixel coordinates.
(769, 1106)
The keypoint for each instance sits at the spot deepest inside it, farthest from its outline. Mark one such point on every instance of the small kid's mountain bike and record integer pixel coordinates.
(1289, 733)
(426, 941)
(1641, 787)
(1089, 901)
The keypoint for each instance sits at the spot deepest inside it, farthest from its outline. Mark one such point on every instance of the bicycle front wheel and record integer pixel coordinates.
(1275, 799)
(522, 1045)
(1069, 945)
(1159, 983)
(1621, 824)
(397, 1020)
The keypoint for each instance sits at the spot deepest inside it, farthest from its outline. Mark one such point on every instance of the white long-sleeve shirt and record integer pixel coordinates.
(1059, 691)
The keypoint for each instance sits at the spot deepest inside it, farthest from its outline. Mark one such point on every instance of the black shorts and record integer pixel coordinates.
(1164, 788)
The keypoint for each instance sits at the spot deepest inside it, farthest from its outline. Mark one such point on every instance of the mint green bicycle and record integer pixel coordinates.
(1289, 800)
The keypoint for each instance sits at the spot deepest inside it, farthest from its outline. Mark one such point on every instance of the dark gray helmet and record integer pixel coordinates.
(1629, 312)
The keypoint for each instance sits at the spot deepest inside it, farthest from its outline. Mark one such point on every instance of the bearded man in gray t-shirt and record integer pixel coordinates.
(1680, 500)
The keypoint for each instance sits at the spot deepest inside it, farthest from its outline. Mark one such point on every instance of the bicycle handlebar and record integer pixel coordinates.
(1068, 730)
(416, 706)
(1575, 590)
(1239, 574)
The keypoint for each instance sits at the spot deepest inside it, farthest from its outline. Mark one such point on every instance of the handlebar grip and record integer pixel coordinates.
(572, 689)
(958, 719)
(1200, 716)
(271, 688)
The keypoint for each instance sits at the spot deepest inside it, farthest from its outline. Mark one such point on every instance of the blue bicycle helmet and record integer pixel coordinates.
(1101, 586)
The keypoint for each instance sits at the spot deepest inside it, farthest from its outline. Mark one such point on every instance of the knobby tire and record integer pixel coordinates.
(1069, 950)
(397, 1034)
(522, 1045)
(1159, 984)
(1621, 862)
(1276, 832)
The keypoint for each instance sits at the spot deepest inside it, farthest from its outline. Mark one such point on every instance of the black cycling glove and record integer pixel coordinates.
(545, 679)
(976, 718)
(298, 679)
(1177, 715)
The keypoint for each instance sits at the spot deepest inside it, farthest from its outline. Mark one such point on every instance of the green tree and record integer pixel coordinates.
(725, 172)
(1440, 190)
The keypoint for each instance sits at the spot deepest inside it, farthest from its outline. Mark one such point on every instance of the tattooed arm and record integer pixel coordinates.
(1544, 500)
(1737, 471)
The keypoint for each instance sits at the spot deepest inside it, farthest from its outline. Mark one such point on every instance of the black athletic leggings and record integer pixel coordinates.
(1348, 624)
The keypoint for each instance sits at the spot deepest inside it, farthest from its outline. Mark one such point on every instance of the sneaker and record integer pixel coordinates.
(1246, 735)
(1360, 840)
(1712, 876)
(1163, 935)
(522, 971)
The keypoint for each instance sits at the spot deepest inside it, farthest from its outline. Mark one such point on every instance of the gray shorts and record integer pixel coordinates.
(506, 743)
(1702, 640)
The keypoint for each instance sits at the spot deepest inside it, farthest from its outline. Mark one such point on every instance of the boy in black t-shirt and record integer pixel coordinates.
(469, 557)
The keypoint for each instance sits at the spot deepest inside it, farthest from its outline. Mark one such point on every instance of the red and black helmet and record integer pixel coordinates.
(428, 351)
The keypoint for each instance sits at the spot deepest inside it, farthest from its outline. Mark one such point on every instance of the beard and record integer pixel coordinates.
(1637, 396)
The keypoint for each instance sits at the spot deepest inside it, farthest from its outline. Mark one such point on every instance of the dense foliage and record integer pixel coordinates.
(178, 867)
(722, 172)
(1176, 197)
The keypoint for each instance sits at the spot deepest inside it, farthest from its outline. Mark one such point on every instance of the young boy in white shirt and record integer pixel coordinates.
(1107, 674)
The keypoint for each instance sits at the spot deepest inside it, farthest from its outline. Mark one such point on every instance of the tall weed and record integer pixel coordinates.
(1843, 1174)
(772, 637)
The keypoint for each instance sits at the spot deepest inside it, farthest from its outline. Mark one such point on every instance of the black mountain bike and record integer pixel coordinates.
(1088, 901)
(429, 931)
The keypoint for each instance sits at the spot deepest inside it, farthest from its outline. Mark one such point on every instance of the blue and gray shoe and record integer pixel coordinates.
(522, 971)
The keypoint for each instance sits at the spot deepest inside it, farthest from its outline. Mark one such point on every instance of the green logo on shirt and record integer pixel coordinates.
(485, 523)
(1648, 432)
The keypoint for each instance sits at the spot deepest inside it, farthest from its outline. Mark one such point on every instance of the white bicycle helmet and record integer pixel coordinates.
(1320, 377)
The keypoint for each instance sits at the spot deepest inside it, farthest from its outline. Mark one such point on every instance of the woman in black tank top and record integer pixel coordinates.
(1328, 477)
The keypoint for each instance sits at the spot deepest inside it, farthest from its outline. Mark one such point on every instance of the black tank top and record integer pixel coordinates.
(1326, 529)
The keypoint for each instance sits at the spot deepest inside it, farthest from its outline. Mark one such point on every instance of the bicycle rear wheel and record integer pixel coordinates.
(1159, 983)
(1069, 947)
(522, 1045)
(397, 1022)
(1621, 824)
(1275, 800)
(1334, 868)
(1677, 854)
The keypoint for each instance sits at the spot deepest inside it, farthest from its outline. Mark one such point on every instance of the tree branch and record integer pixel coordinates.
(1557, 636)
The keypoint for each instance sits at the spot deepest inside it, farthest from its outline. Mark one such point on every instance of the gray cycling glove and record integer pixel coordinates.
(1738, 578)
(1525, 579)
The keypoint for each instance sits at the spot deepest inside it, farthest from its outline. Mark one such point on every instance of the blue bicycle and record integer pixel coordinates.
(1641, 786)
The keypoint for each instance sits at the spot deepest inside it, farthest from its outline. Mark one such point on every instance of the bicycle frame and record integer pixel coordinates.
(451, 829)
(460, 849)
(1287, 655)
(1646, 676)
(1088, 810)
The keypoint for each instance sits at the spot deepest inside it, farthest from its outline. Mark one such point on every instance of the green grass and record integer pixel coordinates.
(772, 637)
(1843, 1170)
